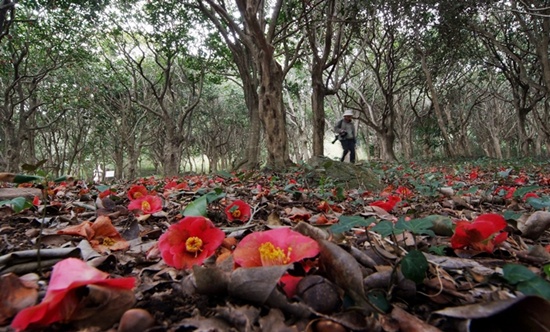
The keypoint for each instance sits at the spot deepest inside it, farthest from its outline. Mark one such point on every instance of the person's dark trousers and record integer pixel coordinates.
(349, 146)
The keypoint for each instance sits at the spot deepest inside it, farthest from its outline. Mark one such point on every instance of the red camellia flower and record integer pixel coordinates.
(62, 299)
(404, 191)
(137, 191)
(482, 234)
(387, 205)
(148, 204)
(106, 193)
(173, 187)
(238, 210)
(505, 191)
(279, 246)
(36, 201)
(190, 241)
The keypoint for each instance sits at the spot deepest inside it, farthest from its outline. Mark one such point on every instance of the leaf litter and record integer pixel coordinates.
(386, 259)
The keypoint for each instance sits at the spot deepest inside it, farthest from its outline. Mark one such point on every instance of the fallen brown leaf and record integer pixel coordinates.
(17, 294)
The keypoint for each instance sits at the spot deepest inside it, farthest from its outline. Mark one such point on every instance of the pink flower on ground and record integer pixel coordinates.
(238, 210)
(147, 205)
(274, 247)
(189, 242)
(137, 191)
(482, 234)
(61, 299)
(279, 246)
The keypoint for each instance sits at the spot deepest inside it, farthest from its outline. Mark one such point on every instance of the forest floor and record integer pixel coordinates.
(426, 252)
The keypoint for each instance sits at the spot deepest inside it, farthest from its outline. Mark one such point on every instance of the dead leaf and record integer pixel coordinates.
(298, 213)
(203, 324)
(454, 263)
(255, 283)
(535, 225)
(243, 318)
(404, 288)
(529, 313)
(461, 202)
(101, 306)
(341, 268)
(319, 293)
(275, 321)
(17, 294)
(447, 191)
(410, 323)
(210, 280)
(313, 232)
(274, 220)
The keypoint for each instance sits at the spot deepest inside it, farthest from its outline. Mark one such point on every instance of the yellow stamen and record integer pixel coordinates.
(236, 213)
(137, 195)
(271, 255)
(193, 244)
(145, 206)
(107, 241)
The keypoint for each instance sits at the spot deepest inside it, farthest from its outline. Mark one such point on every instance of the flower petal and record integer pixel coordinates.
(60, 301)
(247, 253)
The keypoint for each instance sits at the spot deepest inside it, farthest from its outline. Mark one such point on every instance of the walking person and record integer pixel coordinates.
(345, 129)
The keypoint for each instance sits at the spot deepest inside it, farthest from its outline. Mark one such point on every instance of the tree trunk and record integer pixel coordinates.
(12, 146)
(387, 139)
(522, 133)
(119, 162)
(255, 132)
(437, 107)
(272, 113)
(318, 109)
(171, 157)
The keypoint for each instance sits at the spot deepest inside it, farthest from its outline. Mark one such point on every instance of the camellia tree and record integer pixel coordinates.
(257, 26)
(38, 45)
(167, 78)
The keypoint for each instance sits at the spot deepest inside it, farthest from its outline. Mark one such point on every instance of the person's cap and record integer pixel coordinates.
(348, 112)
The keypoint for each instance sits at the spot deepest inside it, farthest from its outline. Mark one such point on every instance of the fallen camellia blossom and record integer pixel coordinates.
(387, 205)
(278, 246)
(148, 204)
(137, 191)
(238, 210)
(190, 241)
(101, 234)
(404, 191)
(482, 234)
(173, 187)
(62, 296)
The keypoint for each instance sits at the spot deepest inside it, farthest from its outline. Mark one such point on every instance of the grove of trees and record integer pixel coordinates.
(206, 85)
